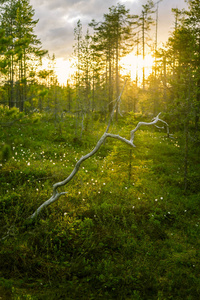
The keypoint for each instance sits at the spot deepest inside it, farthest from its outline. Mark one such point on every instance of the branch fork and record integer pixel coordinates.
(56, 195)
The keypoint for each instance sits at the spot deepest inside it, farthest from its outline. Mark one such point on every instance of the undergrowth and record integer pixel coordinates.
(125, 230)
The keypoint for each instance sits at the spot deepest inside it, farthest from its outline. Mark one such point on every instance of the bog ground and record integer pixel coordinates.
(125, 230)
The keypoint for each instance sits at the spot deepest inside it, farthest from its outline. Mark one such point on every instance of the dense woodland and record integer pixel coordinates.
(128, 227)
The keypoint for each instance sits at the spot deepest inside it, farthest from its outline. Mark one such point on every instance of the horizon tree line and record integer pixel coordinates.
(98, 80)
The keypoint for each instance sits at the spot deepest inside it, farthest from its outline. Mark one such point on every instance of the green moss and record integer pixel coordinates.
(125, 229)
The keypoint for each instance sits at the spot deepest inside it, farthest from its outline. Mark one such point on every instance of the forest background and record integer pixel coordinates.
(45, 126)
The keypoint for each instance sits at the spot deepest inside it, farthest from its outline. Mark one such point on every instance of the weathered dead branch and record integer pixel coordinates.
(56, 195)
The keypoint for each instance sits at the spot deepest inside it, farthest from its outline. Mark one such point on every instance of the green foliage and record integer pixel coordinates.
(124, 230)
(5, 153)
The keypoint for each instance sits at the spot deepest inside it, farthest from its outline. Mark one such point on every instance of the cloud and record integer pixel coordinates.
(57, 19)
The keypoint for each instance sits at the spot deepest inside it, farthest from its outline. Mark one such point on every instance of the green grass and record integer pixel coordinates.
(125, 230)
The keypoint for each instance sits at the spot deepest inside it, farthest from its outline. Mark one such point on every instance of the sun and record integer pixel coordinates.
(64, 70)
(133, 65)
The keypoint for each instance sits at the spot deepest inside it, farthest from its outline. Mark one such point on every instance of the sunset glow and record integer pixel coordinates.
(130, 65)
(64, 70)
(133, 65)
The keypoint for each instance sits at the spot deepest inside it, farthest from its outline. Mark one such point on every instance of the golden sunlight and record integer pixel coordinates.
(133, 65)
(63, 70)
(130, 65)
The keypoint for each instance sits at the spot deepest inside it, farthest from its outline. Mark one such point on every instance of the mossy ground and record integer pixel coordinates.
(125, 230)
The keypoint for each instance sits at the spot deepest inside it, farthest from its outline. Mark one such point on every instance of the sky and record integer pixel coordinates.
(58, 18)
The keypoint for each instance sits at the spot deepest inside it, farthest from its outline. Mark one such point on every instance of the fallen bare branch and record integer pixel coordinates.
(56, 195)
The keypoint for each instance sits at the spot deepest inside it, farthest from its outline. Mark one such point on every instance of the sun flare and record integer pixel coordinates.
(133, 65)
(130, 65)
(64, 70)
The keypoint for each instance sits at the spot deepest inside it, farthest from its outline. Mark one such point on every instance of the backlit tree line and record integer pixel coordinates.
(172, 87)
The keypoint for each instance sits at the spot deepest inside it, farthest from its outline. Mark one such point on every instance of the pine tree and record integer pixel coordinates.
(144, 22)
(183, 66)
(114, 39)
(192, 22)
(17, 21)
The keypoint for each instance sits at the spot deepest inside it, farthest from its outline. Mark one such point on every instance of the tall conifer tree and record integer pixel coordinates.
(18, 24)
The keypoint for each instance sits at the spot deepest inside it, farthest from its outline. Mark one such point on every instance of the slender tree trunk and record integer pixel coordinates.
(143, 52)
(93, 89)
(11, 91)
(117, 70)
(164, 79)
(110, 84)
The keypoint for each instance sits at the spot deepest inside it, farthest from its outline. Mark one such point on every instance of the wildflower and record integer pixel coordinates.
(161, 198)
(133, 207)
(156, 200)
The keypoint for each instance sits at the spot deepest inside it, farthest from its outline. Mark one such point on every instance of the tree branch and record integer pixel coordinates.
(55, 195)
